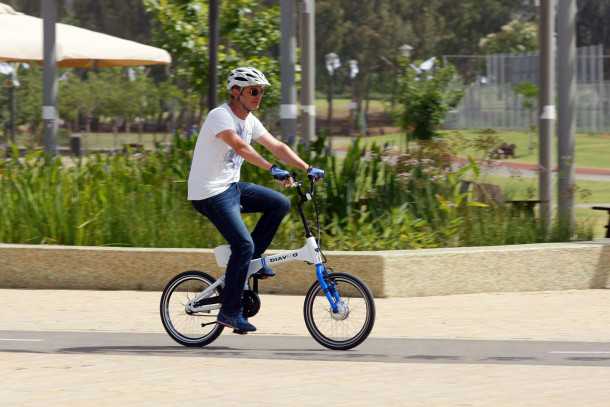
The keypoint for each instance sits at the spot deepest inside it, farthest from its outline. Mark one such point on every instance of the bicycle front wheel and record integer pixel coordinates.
(352, 324)
(186, 327)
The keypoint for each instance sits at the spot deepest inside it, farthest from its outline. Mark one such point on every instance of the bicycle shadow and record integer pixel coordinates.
(208, 351)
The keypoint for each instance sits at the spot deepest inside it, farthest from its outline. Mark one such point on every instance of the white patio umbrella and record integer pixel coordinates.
(22, 40)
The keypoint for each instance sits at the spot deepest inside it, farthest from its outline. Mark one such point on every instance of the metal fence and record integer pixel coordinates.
(490, 100)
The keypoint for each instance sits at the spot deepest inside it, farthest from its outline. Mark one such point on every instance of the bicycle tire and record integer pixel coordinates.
(201, 281)
(347, 285)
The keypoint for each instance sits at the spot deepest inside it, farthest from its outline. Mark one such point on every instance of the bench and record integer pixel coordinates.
(492, 194)
(133, 147)
(607, 209)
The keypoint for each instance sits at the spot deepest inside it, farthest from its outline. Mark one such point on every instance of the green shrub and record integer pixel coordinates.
(373, 199)
(425, 98)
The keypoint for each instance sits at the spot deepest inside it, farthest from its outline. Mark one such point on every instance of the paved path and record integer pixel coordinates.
(529, 171)
(604, 172)
(386, 350)
(509, 168)
(509, 349)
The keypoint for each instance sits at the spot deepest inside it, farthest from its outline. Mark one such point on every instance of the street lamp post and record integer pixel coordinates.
(12, 83)
(548, 113)
(308, 78)
(353, 72)
(49, 99)
(566, 123)
(332, 64)
(288, 107)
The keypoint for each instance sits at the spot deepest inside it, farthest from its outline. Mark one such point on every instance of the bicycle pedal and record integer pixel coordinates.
(239, 332)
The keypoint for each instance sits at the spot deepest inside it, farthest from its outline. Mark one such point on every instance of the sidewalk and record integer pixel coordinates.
(94, 379)
(575, 315)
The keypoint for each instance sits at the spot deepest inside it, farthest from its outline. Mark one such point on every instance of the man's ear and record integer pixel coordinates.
(235, 91)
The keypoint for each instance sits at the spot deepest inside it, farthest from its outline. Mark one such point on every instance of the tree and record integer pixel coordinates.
(592, 23)
(69, 104)
(515, 37)
(113, 102)
(425, 98)
(172, 100)
(529, 92)
(370, 33)
(4, 110)
(448, 27)
(29, 99)
(249, 30)
(146, 96)
(464, 23)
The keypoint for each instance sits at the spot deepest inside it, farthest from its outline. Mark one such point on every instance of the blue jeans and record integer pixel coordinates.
(224, 211)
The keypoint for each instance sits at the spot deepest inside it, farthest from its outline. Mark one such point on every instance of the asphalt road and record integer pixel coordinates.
(388, 350)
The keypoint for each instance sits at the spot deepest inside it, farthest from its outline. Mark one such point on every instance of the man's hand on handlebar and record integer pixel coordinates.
(282, 176)
(287, 180)
(279, 173)
(315, 173)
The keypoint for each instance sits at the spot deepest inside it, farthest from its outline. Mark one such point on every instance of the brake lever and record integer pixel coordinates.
(295, 182)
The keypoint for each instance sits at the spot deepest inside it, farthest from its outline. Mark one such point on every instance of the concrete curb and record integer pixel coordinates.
(400, 273)
(533, 267)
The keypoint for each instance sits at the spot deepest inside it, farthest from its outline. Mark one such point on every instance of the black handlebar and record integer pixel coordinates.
(304, 197)
(298, 185)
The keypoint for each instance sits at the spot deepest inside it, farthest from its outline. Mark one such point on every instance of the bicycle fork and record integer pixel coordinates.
(329, 288)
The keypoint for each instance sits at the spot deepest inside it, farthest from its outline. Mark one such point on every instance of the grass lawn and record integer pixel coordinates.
(105, 140)
(518, 187)
(597, 219)
(341, 107)
(110, 140)
(591, 150)
(587, 192)
(396, 139)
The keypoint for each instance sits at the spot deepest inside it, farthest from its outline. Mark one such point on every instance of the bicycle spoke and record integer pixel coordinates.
(354, 319)
(185, 327)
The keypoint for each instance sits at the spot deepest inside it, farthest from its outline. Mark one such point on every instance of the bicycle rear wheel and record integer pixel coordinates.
(354, 321)
(183, 325)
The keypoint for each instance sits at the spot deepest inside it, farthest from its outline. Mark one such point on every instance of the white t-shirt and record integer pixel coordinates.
(215, 164)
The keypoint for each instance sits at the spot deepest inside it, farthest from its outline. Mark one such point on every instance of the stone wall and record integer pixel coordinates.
(401, 273)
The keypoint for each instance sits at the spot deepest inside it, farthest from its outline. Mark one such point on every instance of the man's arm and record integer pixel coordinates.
(244, 149)
(282, 152)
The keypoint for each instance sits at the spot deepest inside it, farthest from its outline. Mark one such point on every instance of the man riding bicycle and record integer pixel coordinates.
(215, 191)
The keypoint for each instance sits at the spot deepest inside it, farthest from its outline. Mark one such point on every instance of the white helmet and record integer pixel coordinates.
(246, 76)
